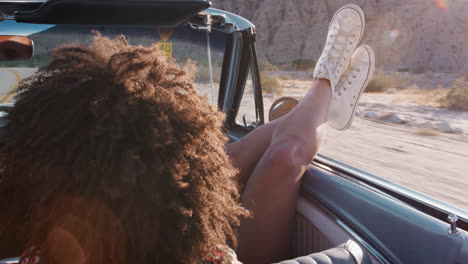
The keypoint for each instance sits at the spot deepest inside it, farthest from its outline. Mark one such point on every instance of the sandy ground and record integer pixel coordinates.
(9, 80)
(424, 160)
(434, 165)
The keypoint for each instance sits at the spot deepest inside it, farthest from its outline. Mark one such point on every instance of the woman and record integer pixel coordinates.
(111, 156)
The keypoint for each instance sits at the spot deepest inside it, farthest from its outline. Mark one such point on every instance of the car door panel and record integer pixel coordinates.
(391, 230)
(314, 230)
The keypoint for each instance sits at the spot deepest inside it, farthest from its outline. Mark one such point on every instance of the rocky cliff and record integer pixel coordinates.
(418, 35)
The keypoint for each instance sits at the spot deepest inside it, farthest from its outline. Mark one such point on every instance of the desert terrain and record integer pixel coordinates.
(405, 34)
(401, 135)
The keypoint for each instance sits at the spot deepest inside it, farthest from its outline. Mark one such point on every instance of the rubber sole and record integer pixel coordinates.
(370, 75)
(355, 8)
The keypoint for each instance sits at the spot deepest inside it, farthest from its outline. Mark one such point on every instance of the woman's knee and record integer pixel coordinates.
(295, 150)
(289, 155)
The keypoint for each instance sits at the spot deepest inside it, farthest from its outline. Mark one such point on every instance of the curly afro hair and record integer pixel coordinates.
(111, 147)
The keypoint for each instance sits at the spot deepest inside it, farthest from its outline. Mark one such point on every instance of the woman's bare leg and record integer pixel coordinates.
(279, 154)
(291, 143)
(246, 152)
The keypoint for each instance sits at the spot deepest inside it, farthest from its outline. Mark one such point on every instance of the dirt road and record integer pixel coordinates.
(434, 165)
(10, 79)
(428, 161)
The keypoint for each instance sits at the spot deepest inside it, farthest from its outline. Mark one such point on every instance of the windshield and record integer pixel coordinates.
(183, 44)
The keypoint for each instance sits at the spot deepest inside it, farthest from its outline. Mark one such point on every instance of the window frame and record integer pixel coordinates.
(240, 58)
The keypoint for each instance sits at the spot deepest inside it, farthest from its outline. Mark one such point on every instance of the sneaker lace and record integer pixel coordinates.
(353, 70)
(337, 45)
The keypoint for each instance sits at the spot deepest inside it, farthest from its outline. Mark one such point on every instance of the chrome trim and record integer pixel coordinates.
(237, 23)
(10, 261)
(207, 23)
(22, 1)
(452, 219)
(333, 165)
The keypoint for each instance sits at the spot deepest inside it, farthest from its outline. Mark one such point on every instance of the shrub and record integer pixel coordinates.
(427, 132)
(203, 74)
(457, 96)
(285, 77)
(420, 68)
(303, 64)
(403, 70)
(270, 84)
(381, 82)
(269, 67)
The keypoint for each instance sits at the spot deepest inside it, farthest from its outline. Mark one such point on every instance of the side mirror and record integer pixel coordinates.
(10, 261)
(15, 48)
(282, 106)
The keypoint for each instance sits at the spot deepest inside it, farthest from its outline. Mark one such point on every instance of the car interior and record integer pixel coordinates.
(343, 215)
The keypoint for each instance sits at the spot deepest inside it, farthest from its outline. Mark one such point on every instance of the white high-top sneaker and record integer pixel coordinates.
(344, 34)
(351, 85)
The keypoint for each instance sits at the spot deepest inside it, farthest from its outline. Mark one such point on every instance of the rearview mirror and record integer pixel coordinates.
(281, 107)
(15, 48)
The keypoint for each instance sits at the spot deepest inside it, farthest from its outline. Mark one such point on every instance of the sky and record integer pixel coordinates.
(10, 27)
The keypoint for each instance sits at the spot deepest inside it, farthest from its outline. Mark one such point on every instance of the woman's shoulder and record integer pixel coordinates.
(222, 255)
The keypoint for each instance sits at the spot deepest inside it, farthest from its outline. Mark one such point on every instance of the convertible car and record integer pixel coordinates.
(344, 215)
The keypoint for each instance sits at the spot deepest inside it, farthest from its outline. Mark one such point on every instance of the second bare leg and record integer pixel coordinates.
(272, 189)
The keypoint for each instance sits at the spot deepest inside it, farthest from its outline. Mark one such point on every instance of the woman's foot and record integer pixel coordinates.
(351, 85)
(344, 34)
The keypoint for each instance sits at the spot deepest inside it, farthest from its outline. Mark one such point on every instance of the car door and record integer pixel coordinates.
(393, 224)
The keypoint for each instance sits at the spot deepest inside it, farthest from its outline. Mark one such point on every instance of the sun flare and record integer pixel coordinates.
(442, 4)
